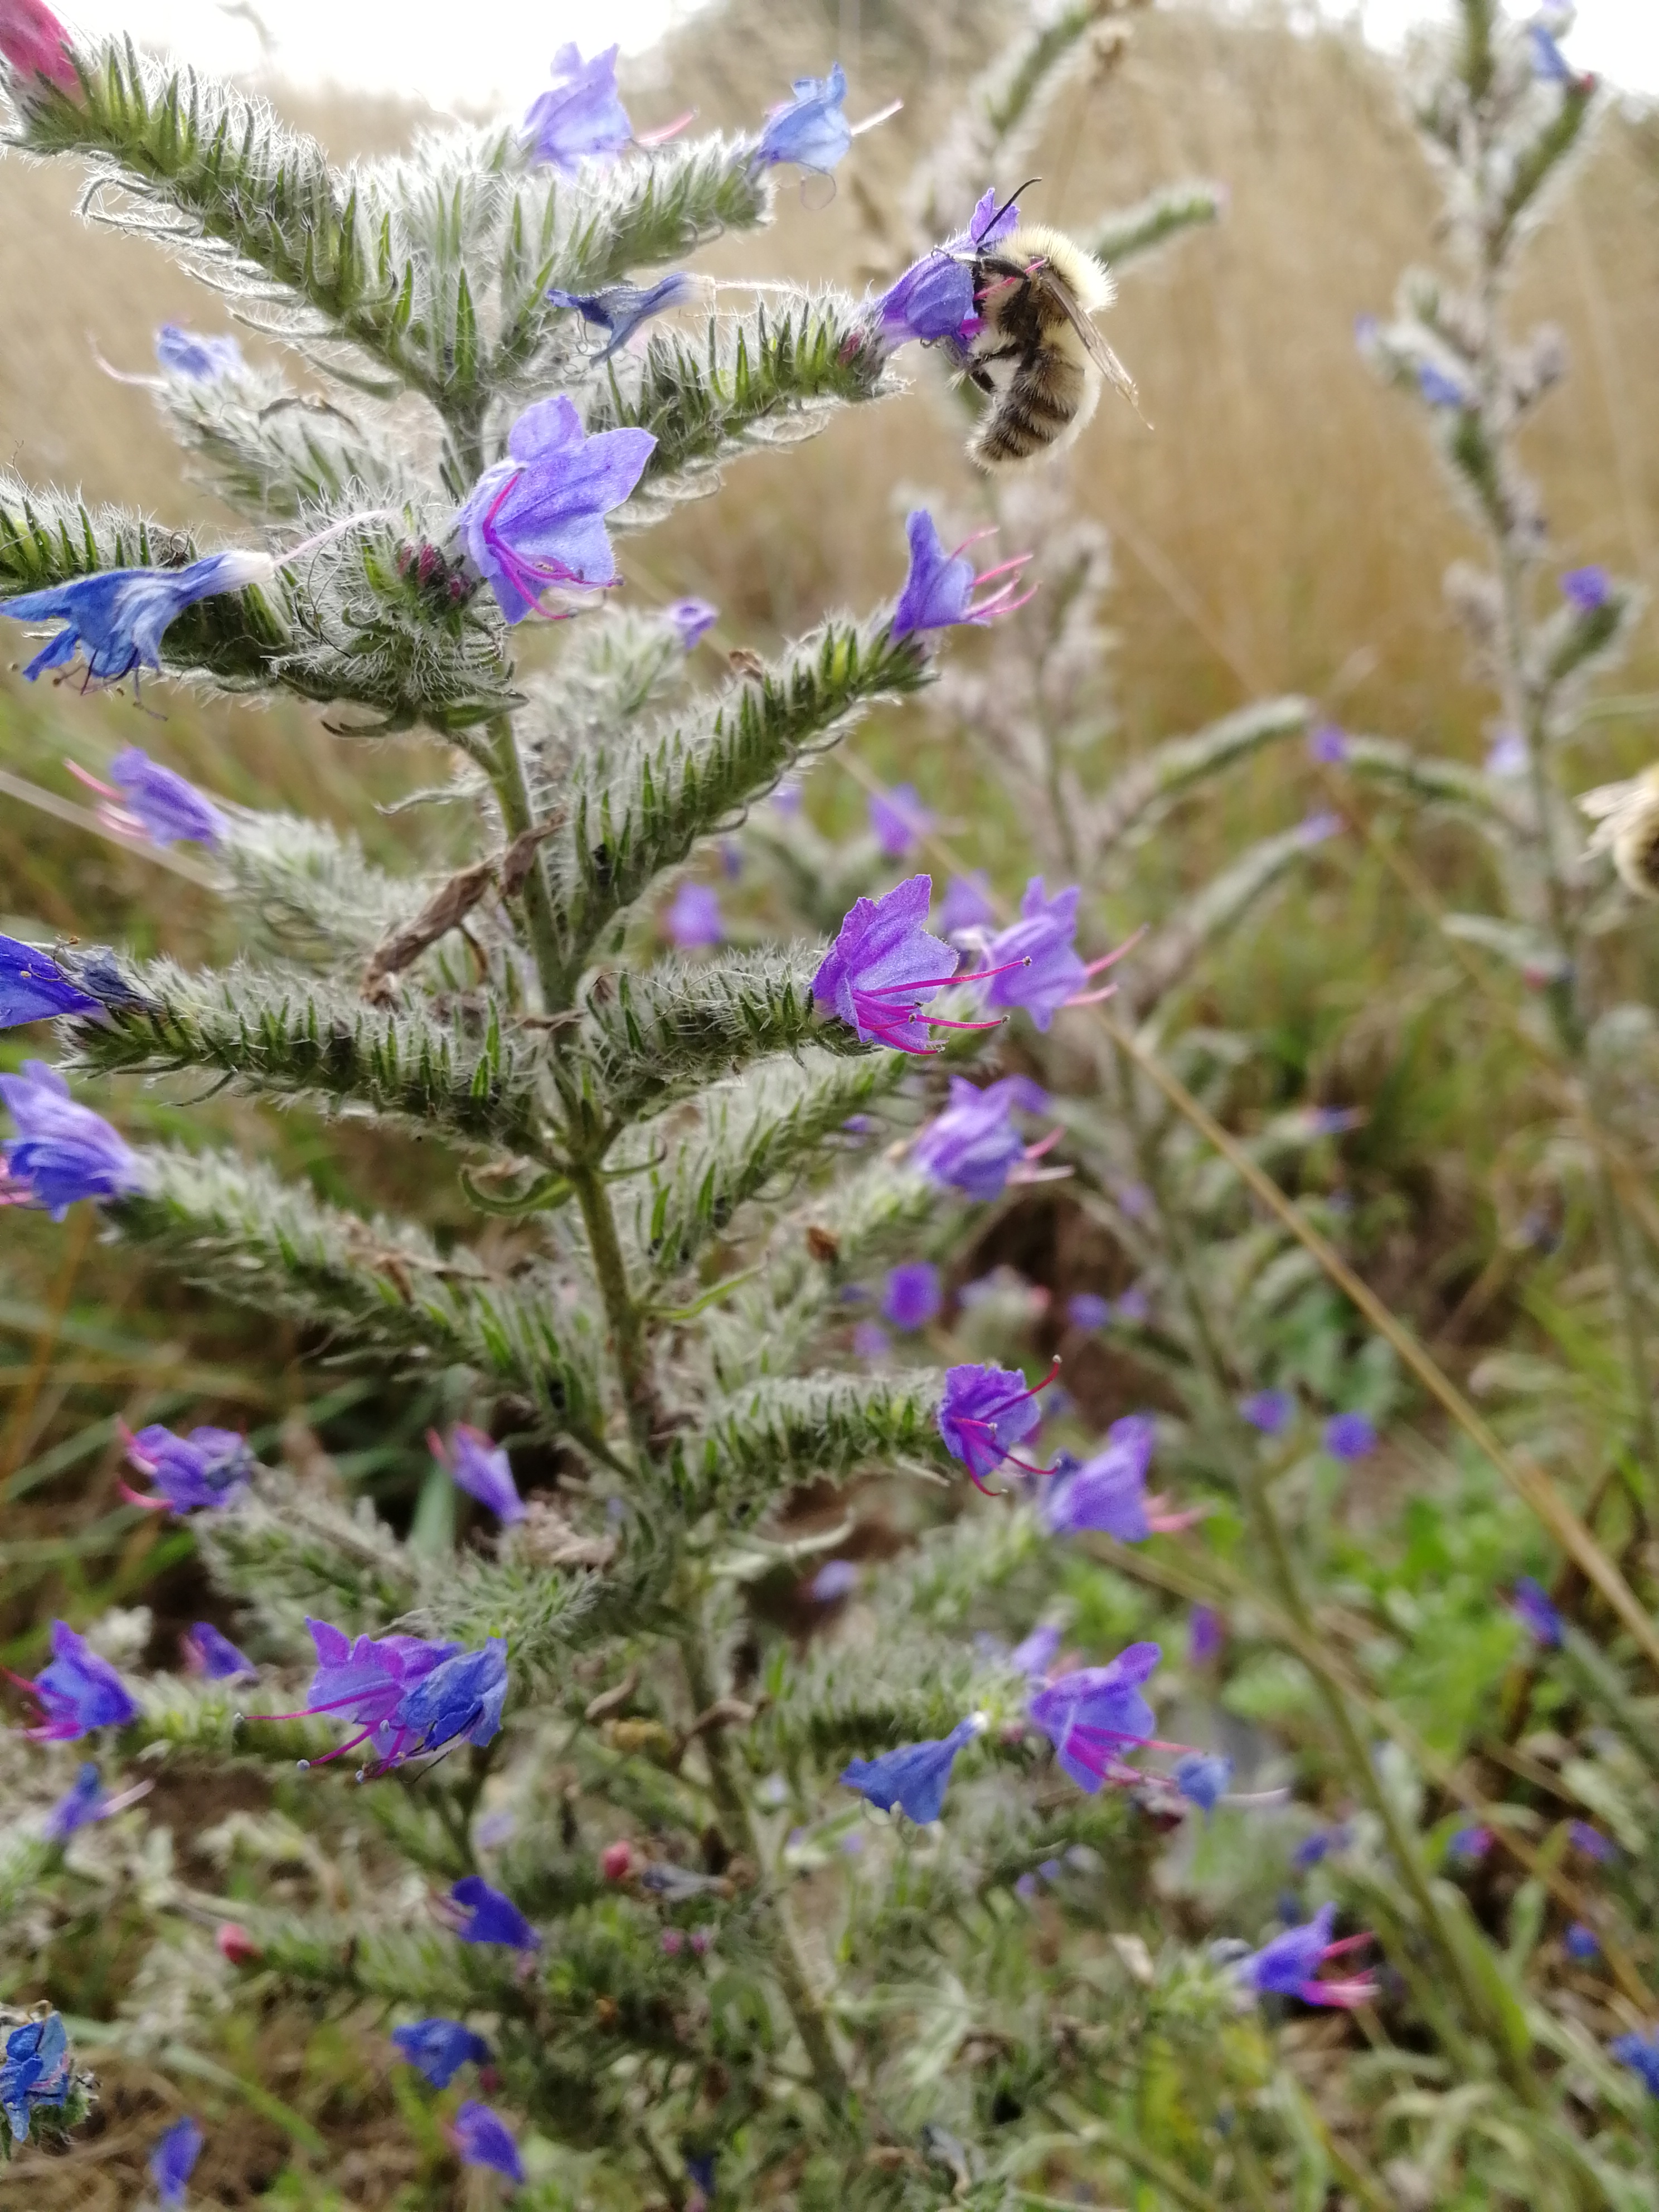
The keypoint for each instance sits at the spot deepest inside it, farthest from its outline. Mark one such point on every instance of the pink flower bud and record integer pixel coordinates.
(673, 1941)
(617, 1861)
(35, 44)
(235, 1944)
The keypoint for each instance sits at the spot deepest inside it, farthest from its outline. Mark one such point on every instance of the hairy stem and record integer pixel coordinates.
(513, 795)
(622, 1311)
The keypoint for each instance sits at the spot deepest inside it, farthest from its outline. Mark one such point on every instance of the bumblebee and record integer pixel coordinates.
(1626, 816)
(1038, 357)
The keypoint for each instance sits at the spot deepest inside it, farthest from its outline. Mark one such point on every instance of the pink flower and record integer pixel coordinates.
(35, 44)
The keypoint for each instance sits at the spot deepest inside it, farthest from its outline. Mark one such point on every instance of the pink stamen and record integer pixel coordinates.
(1348, 1944)
(339, 1750)
(136, 1498)
(938, 1022)
(1003, 568)
(974, 538)
(1028, 1176)
(1003, 604)
(310, 1712)
(647, 139)
(938, 982)
(1018, 1398)
(1342, 1995)
(1111, 959)
(1169, 1524)
(92, 783)
(1046, 1145)
(1092, 998)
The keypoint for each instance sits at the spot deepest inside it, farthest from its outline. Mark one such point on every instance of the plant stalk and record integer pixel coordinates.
(513, 796)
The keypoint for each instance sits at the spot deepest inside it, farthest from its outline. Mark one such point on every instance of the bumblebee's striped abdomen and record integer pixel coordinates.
(1039, 406)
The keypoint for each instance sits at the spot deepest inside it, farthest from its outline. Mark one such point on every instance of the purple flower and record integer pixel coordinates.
(1587, 591)
(912, 1778)
(1037, 952)
(1086, 1309)
(1205, 1634)
(1270, 1411)
(884, 966)
(482, 1469)
(537, 520)
(985, 1413)
(34, 44)
(931, 302)
(1313, 1849)
(404, 1696)
(208, 1468)
(992, 221)
(1107, 1493)
(1202, 1777)
(1531, 1607)
(121, 616)
(870, 1342)
(173, 2161)
(482, 2139)
(1287, 1966)
(618, 310)
(1549, 63)
(694, 919)
(1091, 1715)
(1507, 754)
(78, 1693)
(36, 2072)
(33, 988)
(1468, 1846)
(169, 810)
(811, 129)
(693, 619)
(199, 360)
(1640, 2054)
(78, 1810)
(581, 115)
(1439, 389)
(966, 904)
(939, 589)
(834, 1580)
(1581, 1943)
(61, 1152)
(1349, 1436)
(439, 2048)
(1327, 744)
(898, 819)
(1134, 1308)
(208, 1653)
(914, 1296)
(1315, 828)
(973, 1146)
(1036, 1654)
(1593, 1843)
(490, 1917)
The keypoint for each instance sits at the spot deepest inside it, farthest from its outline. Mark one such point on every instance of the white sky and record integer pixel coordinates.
(499, 49)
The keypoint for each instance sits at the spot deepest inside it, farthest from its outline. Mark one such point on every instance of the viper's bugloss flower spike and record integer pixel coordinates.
(481, 2137)
(173, 2161)
(914, 1295)
(581, 117)
(406, 1697)
(1288, 1965)
(34, 44)
(985, 1413)
(1587, 591)
(202, 1472)
(811, 129)
(481, 1468)
(1272, 1412)
(197, 360)
(1639, 2050)
(490, 1917)
(966, 904)
(78, 1691)
(62, 1152)
(168, 809)
(119, 616)
(693, 920)
(973, 1146)
(939, 591)
(439, 2048)
(1531, 1607)
(1349, 1436)
(35, 2071)
(1108, 1492)
(211, 1654)
(692, 620)
(535, 522)
(35, 988)
(1095, 1715)
(898, 819)
(618, 310)
(1202, 1777)
(912, 1780)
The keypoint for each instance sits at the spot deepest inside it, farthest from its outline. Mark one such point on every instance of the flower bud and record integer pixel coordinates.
(236, 1945)
(617, 1861)
(34, 44)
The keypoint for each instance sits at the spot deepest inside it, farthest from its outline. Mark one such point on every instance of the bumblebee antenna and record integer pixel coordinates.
(1010, 201)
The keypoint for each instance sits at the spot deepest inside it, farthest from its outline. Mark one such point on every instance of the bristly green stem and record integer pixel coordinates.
(513, 795)
(623, 1313)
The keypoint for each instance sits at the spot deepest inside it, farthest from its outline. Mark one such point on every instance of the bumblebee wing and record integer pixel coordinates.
(1056, 300)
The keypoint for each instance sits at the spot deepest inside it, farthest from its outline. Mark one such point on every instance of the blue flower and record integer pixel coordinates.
(693, 920)
(1507, 754)
(913, 1778)
(170, 811)
(173, 2160)
(693, 619)
(1037, 1653)
(973, 1146)
(78, 1691)
(897, 818)
(985, 1413)
(834, 1580)
(482, 1469)
(33, 988)
(1108, 1492)
(1587, 591)
(933, 302)
(83, 1804)
(1349, 1436)
(405, 1695)
(1549, 63)
(993, 221)
(203, 1471)
(36, 2072)
(61, 1152)
(1327, 744)
(208, 1653)
(1531, 1607)
(618, 310)
(441, 2048)
(1581, 1943)
(966, 904)
(537, 520)
(1205, 1634)
(581, 114)
(1640, 2054)
(1092, 1715)
(1202, 1777)
(939, 591)
(1289, 1965)
(199, 360)
(1468, 1846)
(1039, 956)
(120, 616)
(1439, 389)
(1317, 1847)
(1270, 1411)
(1088, 1310)
(913, 1297)
(490, 1917)
(883, 965)
(482, 2139)
(1593, 1843)
(811, 129)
